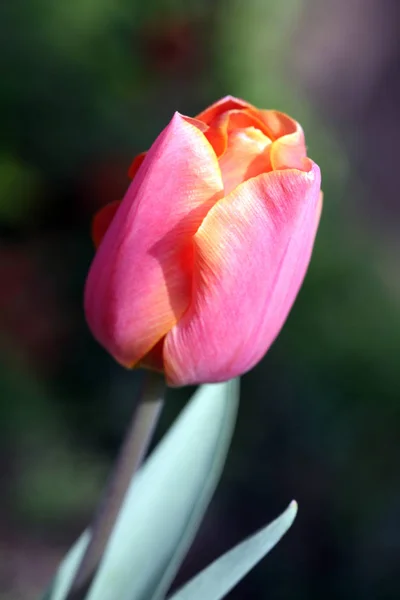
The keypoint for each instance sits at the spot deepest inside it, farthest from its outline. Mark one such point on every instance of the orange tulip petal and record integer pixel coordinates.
(288, 150)
(154, 358)
(223, 124)
(136, 164)
(102, 220)
(278, 124)
(223, 105)
(246, 156)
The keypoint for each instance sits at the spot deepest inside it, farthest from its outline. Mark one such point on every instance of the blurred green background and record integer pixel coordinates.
(84, 86)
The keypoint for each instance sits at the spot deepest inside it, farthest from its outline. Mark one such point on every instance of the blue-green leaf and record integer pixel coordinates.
(67, 570)
(223, 574)
(165, 503)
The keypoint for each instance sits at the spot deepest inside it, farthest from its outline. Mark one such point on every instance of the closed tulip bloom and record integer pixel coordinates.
(197, 267)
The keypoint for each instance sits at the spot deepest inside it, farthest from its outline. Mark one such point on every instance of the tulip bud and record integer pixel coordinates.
(198, 266)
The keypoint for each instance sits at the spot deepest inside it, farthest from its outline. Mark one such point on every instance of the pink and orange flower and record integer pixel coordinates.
(198, 266)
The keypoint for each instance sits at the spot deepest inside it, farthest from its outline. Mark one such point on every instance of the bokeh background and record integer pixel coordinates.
(84, 86)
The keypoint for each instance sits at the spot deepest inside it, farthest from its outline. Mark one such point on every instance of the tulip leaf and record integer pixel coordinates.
(223, 574)
(164, 505)
(67, 570)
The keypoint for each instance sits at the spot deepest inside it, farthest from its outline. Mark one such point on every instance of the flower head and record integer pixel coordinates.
(198, 266)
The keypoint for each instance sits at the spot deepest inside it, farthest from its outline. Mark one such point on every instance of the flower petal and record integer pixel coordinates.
(105, 215)
(247, 155)
(251, 255)
(139, 284)
(222, 124)
(102, 220)
(221, 106)
(288, 150)
(136, 164)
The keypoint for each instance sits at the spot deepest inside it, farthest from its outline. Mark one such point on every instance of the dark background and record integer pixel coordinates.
(84, 86)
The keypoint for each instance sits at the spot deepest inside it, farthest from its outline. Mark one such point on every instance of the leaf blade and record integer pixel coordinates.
(221, 576)
(191, 454)
(68, 568)
(190, 459)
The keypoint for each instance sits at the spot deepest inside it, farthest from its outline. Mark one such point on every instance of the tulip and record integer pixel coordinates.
(197, 267)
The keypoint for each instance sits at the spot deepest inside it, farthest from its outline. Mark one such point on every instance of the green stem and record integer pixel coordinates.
(132, 453)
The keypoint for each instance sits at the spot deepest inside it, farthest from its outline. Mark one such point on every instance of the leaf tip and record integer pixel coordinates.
(292, 509)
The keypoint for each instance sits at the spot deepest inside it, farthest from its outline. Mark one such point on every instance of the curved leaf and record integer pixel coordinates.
(165, 503)
(223, 574)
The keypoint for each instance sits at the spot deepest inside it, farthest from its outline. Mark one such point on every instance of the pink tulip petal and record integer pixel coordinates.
(251, 255)
(140, 281)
